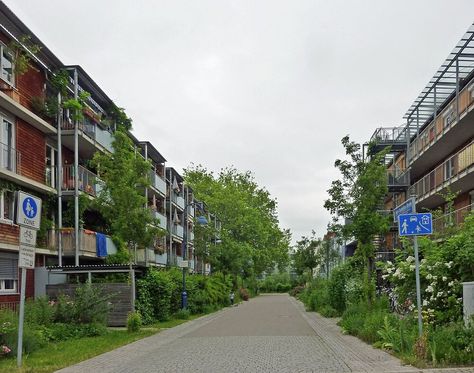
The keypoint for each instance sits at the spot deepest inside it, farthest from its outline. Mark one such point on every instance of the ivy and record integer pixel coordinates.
(23, 52)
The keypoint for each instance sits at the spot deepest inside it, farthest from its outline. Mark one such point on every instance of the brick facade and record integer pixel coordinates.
(9, 234)
(31, 144)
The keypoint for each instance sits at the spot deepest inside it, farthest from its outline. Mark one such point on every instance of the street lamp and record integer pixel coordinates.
(201, 220)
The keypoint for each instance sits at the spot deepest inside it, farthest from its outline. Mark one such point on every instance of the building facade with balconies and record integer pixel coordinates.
(433, 152)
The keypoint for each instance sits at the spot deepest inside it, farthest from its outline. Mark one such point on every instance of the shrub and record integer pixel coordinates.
(297, 290)
(39, 311)
(328, 311)
(183, 314)
(451, 344)
(134, 322)
(244, 294)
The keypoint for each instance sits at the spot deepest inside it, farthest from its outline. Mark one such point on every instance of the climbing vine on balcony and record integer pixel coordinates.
(23, 51)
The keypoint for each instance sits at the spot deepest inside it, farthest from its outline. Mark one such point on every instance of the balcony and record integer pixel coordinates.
(157, 182)
(191, 212)
(145, 256)
(445, 132)
(161, 259)
(10, 159)
(161, 218)
(88, 181)
(177, 230)
(395, 137)
(398, 180)
(451, 220)
(87, 242)
(455, 169)
(177, 200)
(91, 137)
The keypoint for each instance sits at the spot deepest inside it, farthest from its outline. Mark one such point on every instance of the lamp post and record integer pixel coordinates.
(201, 220)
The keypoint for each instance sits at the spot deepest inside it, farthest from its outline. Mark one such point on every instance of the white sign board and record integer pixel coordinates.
(27, 236)
(28, 211)
(26, 257)
(184, 264)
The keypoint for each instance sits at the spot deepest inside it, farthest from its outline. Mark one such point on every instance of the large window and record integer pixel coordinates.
(8, 273)
(7, 144)
(6, 64)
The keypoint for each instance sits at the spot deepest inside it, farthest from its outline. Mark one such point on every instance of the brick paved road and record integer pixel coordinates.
(268, 334)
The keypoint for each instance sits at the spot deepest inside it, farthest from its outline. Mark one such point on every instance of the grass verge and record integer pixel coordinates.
(59, 355)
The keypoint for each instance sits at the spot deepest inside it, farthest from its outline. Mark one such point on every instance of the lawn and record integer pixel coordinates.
(62, 354)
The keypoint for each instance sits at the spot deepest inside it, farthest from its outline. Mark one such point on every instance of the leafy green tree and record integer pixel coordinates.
(123, 176)
(251, 240)
(357, 198)
(307, 255)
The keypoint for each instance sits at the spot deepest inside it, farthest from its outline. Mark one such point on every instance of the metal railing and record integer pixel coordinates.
(87, 180)
(398, 178)
(12, 306)
(442, 175)
(177, 230)
(452, 219)
(157, 182)
(389, 135)
(162, 218)
(10, 158)
(384, 256)
(92, 130)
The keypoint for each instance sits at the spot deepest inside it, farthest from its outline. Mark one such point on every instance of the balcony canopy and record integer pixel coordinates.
(446, 82)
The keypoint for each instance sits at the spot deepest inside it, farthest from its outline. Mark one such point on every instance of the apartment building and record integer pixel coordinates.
(433, 151)
(46, 150)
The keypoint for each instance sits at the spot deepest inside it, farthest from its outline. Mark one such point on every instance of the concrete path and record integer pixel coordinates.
(271, 333)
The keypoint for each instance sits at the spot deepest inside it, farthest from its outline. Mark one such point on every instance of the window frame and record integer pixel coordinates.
(3, 142)
(8, 220)
(3, 47)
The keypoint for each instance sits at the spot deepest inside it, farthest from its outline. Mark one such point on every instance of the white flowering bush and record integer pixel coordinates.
(440, 283)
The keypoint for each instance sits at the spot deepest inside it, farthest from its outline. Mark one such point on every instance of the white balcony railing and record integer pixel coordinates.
(180, 202)
(93, 131)
(161, 218)
(177, 230)
(157, 182)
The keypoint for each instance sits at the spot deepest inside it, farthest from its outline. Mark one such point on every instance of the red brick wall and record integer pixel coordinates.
(31, 144)
(30, 84)
(9, 234)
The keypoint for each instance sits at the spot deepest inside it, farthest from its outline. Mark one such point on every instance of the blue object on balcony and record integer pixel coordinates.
(101, 244)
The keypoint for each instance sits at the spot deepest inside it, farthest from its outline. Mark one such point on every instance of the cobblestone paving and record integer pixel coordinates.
(268, 334)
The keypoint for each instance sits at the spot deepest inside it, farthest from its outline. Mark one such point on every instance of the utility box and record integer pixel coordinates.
(468, 301)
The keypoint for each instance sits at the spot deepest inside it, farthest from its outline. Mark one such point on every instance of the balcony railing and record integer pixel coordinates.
(10, 159)
(87, 242)
(93, 131)
(384, 256)
(450, 220)
(398, 179)
(177, 230)
(157, 182)
(389, 135)
(161, 218)
(87, 180)
(441, 176)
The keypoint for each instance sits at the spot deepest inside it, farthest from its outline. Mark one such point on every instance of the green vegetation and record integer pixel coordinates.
(276, 283)
(159, 294)
(251, 241)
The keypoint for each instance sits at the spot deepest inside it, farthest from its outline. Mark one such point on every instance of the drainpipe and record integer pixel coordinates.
(76, 176)
(59, 183)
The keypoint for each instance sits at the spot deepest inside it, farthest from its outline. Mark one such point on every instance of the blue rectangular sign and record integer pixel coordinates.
(407, 207)
(415, 224)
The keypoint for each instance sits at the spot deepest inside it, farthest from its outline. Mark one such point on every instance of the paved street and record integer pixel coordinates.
(271, 333)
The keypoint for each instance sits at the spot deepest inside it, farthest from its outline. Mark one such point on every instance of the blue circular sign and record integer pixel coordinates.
(29, 207)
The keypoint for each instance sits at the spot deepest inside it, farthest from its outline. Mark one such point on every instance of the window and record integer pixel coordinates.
(51, 163)
(7, 204)
(449, 169)
(7, 148)
(449, 117)
(6, 64)
(8, 273)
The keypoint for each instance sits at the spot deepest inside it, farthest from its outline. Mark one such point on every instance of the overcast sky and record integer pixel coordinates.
(267, 86)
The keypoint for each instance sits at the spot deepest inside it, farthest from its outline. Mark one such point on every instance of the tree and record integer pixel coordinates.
(307, 255)
(251, 240)
(357, 198)
(123, 177)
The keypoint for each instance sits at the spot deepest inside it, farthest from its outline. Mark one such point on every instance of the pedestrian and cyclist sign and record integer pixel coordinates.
(415, 224)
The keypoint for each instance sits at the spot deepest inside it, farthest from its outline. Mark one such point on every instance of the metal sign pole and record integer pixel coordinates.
(418, 290)
(22, 317)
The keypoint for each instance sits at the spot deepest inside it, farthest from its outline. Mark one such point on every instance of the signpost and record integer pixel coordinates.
(28, 217)
(407, 207)
(416, 225)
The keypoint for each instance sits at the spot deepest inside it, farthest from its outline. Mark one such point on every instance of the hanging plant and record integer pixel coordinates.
(23, 52)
